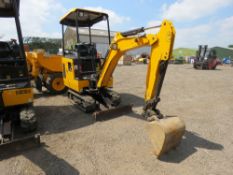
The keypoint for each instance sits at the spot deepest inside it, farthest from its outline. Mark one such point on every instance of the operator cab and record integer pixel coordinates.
(13, 66)
(84, 54)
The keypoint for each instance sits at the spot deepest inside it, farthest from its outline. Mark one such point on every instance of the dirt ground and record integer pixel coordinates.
(74, 144)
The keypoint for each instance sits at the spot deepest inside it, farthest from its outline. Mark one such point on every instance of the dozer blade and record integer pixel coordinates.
(19, 145)
(112, 113)
(165, 134)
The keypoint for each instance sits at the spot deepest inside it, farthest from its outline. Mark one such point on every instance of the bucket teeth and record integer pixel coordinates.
(165, 134)
(112, 113)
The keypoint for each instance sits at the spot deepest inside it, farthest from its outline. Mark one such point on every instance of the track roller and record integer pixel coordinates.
(84, 102)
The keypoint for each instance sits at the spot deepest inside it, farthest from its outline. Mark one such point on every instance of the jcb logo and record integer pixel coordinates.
(25, 91)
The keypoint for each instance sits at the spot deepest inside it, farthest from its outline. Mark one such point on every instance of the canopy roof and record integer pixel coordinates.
(8, 7)
(85, 18)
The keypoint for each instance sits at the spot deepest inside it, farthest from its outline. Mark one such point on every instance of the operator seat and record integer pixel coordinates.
(86, 59)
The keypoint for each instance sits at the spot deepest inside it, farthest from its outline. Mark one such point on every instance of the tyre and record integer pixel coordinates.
(55, 85)
(28, 120)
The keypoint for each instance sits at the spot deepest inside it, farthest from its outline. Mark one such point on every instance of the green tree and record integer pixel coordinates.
(50, 45)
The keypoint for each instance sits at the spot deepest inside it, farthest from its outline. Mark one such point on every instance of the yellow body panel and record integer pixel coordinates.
(38, 61)
(69, 78)
(13, 97)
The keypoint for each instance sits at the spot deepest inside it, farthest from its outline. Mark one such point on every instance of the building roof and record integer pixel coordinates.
(94, 32)
(84, 18)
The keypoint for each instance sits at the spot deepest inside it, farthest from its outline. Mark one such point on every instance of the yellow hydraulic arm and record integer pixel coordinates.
(165, 133)
(161, 49)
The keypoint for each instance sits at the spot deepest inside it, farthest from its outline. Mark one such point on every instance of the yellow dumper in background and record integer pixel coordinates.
(46, 71)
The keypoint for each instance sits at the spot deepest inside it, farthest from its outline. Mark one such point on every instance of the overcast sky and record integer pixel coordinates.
(196, 21)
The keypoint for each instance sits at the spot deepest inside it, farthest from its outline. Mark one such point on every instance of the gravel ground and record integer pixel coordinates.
(74, 144)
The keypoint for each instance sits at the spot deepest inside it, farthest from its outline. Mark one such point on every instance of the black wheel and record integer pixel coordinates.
(55, 85)
(28, 120)
(205, 66)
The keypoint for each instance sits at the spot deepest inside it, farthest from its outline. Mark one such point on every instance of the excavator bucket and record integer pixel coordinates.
(165, 134)
(112, 113)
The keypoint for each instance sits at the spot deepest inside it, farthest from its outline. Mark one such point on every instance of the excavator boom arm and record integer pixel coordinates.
(161, 50)
(118, 48)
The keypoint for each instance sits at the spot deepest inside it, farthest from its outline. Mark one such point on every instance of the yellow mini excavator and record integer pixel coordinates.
(89, 80)
(16, 94)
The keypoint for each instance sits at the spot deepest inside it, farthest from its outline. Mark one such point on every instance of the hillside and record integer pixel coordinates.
(184, 52)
